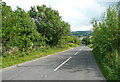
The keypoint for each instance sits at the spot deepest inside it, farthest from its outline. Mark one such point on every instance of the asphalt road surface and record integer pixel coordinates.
(74, 64)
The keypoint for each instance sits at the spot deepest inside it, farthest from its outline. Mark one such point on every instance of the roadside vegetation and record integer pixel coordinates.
(87, 41)
(106, 43)
(33, 34)
(20, 57)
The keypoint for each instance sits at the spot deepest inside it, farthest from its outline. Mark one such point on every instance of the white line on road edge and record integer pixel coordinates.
(75, 53)
(62, 64)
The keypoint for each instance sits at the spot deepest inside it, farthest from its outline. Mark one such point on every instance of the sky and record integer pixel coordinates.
(78, 13)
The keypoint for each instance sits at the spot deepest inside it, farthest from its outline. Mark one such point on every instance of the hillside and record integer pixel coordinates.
(82, 33)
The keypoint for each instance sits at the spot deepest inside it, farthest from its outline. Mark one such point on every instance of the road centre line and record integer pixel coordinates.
(62, 64)
(75, 53)
(66, 61)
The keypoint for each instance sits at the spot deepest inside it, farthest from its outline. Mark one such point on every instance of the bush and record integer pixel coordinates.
(86, 41)
(106, 43)
(90, 45)
(73, 39)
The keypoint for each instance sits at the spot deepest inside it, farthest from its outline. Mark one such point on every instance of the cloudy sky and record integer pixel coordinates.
(78, 13)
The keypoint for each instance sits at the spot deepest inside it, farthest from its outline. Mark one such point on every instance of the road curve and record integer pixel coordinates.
(74, 64)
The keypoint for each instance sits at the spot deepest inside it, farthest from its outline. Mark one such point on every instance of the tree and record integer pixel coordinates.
(106, 32)
(106, 41)
(19, 30)
(50, 24)
(86, 40)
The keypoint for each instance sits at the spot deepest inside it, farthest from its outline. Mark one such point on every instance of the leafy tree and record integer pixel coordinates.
(106, 32)
(73, 39)
(86, 40)
(19, 30)
(106, 41)
(50, 24)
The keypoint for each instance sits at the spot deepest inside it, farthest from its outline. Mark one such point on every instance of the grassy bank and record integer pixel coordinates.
(20, 57)
(109, 64)
(0, 62)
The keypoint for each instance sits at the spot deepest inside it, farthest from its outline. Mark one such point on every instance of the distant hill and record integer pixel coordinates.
(82, 33)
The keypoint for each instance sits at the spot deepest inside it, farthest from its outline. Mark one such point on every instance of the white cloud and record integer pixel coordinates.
(83, 28)
(25, 4)
(78, 13)
(107, 0)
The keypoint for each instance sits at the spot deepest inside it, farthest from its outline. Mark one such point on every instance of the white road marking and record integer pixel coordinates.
(62, 64)
(75, 53)
(46, 76)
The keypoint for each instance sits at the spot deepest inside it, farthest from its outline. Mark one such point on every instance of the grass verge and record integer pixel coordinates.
(0, 62)
(20, 57)
(109, 64)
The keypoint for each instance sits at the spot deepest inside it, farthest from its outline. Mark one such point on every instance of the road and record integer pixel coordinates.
(74, 64)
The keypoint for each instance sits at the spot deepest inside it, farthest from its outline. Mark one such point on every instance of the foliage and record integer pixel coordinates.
(18, 30)
(73, 39)
(50, 24)
(106, 41)
(110, 64)
(20, 57)
(40, 27)
(86, 40)
(90, 45)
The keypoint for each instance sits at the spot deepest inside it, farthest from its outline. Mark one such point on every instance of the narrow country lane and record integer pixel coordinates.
(73, 64)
